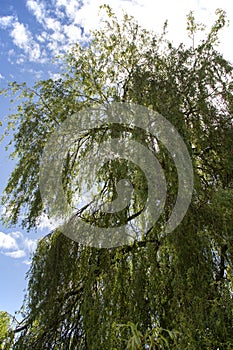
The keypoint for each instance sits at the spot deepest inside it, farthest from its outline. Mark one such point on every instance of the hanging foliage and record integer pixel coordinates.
(167, 290)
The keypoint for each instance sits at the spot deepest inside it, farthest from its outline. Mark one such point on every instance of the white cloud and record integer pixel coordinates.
(20, 59)
(6, 21)
(1, 76)
(45, 223)
(149, 14)
(61, 22)
(30, 244)
(73, 33)
(35, 52)
(35, 73)
(7, 242)
(21, 36)
(56, 36)
(54, 76)
(70, 7)
(16, 235)
(17, 254)
(23, 39)
(54, 47)
(37, 9)
(52, 24)
(27, 262)
(17, 245)
(42, 37)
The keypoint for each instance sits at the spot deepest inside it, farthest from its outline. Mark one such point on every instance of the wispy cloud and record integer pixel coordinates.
(35, 73)
(17, 254)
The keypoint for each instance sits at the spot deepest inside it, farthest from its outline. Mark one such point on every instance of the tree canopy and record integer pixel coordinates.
(166, 290)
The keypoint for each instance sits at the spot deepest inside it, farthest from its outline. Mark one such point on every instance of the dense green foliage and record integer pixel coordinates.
(169, 291)
(6, 333)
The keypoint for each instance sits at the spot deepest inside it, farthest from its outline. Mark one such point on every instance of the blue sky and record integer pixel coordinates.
(32, 34)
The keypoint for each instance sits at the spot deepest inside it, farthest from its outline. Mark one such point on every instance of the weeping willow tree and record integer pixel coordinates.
(165, 290)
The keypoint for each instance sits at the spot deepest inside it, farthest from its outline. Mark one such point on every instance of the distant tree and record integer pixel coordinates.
(6, 332)
(166, 290)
